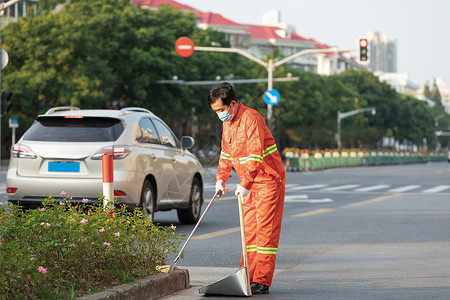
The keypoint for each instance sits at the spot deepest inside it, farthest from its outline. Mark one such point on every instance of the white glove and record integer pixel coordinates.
(221, 187)
(242, 191)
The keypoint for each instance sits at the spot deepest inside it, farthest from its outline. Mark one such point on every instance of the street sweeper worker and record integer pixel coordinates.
(249, 148)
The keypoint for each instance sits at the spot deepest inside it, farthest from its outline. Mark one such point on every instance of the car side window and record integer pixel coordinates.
(166, 135)
(149, 134)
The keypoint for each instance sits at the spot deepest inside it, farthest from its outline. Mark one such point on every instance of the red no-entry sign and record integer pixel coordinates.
(184, 46)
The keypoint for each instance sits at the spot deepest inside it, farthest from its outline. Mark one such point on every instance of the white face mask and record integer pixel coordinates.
(225, 115)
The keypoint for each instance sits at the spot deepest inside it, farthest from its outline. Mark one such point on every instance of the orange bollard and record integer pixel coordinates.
(108, 183)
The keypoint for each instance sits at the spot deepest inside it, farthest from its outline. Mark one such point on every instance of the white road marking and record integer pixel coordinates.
(405, 188)
(308, 187)
(372, 188)
(437, 189)
(342, 187)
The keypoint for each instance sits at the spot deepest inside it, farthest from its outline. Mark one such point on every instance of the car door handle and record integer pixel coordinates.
(174, 160)
(154, 156)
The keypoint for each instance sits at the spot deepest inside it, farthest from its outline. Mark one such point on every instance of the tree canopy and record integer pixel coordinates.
(109, 54)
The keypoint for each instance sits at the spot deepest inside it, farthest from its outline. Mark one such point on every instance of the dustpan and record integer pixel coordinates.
(238, 283)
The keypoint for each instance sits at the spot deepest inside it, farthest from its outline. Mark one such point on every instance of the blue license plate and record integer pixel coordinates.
(62, 166)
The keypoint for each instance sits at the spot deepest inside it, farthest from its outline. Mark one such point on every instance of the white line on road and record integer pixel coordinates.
(307, 187)
(372, 188)
(324, 200)
(342, 187)
(437, 189)
(405, 188)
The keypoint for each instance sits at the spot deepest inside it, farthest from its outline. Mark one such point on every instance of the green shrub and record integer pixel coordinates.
(65, 250)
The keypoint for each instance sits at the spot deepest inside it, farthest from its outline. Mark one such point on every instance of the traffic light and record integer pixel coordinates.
(363, 50)
(6, 105)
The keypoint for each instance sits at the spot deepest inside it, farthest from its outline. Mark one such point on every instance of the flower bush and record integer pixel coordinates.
(65, 249)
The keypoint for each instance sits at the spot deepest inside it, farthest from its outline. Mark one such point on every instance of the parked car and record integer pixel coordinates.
(63, 149)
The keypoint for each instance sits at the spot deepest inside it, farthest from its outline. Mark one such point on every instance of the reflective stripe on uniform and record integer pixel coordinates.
(259, 158)
(254, 157)
(251, 248)
(270, 150)
(223, 155)
(267, 250)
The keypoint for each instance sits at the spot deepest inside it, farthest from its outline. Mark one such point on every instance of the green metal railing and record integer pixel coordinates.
(303, 160)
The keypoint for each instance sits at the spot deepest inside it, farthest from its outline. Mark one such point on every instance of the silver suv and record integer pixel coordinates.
(62, 151)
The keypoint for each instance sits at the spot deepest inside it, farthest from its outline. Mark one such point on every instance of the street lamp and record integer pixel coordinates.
(436, 120)
(341, 116)
(270, 65)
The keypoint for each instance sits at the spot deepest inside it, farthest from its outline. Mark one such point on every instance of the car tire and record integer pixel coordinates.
(191, 214)
(148, 200)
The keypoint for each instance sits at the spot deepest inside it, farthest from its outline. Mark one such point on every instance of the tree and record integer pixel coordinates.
(433, 93)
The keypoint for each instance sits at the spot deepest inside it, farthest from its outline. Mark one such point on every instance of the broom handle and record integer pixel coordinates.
(244, 241)
(195, 228)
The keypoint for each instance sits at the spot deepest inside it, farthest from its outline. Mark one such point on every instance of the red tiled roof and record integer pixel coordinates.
(269, 32)
(156, 3)
(213, 18)
(255, 31)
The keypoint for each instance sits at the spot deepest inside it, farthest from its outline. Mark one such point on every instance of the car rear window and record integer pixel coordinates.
(75, 129)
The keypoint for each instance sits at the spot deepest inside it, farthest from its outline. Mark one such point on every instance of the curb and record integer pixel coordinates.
(152, 287)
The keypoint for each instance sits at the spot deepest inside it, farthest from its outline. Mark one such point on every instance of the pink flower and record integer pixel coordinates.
(107, 244)
(42, 270)
(42, 223)
(102, 229)
(1, 243)
(85, 200)
(117, 233)
(173, 227)
(62, 193)
(41, 209)
(70, 198)
(61, 203)
(48, 224)
(84, 221)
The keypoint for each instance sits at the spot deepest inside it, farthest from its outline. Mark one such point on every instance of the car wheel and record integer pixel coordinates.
(191, 214)
(148, 200)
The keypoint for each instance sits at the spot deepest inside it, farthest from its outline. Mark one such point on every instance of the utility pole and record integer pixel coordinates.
(341, 116)
(270, 65)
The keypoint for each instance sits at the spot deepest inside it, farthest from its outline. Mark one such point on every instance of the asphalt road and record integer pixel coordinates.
(361, 233)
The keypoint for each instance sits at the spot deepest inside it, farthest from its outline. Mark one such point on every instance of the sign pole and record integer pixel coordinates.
(269, 87)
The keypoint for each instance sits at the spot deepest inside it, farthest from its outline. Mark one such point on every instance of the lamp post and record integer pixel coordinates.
(270, 65)
(341, 116)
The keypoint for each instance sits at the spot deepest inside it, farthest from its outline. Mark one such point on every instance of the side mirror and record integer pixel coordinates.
(187, 142)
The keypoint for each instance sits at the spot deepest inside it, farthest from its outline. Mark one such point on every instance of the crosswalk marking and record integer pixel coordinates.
(307, 187)
(329, 188)
(342, 187)
(437, 189)
(372, 188)
(405, 188)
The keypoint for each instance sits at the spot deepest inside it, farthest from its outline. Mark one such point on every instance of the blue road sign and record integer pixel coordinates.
(271, 97)
(13, 123)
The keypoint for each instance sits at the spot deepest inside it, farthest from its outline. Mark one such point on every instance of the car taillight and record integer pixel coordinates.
(11, 190)
(22, 151)
(118, 193)
(118, 152)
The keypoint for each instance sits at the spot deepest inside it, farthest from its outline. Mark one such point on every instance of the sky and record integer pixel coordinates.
(420, 27)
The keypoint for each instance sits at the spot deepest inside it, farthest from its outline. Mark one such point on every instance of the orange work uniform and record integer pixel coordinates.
(248, 146)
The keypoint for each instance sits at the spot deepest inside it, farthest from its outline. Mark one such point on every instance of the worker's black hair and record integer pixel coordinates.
(224, 91)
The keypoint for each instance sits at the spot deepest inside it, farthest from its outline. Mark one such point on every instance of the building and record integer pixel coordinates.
(262, 40)
(400, 82)
(382, 53)
(22, 9)
(444, 91)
